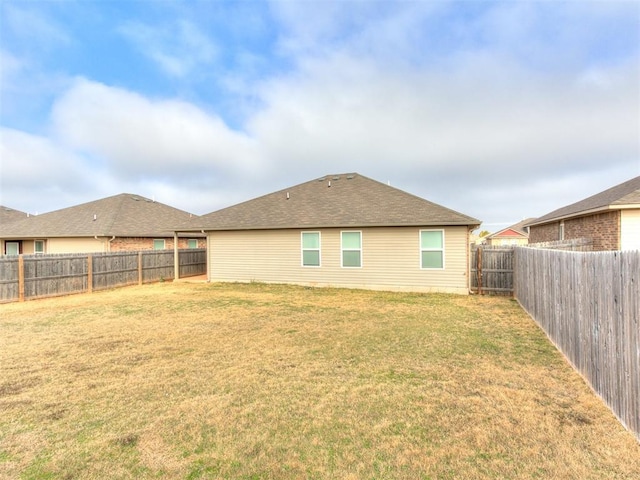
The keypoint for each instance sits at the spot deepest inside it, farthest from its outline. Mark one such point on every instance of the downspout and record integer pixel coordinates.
(469, 230)
(206, 246)
(108, 242)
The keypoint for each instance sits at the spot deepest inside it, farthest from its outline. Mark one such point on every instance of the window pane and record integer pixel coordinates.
(311, 258)
(310, 240)
(350, 259)
(158, 244)
(431, 239)
(39, 246)
(351, 240)
(432, 260)
(192, 243)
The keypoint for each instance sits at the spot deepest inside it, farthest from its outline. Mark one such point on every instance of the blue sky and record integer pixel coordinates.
(500, 110)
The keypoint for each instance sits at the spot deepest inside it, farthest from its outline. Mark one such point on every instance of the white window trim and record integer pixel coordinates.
(431, 249)
(10, 242)
(164, 243)
(44, 247)
(319, 249)
(342, 249)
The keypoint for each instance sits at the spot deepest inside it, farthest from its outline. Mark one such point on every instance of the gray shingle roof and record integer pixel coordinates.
(342, 200)
(10, 215)
(626, 193)
(123, 215)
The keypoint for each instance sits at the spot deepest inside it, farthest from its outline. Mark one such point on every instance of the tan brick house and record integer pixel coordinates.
(342, 230)
(610, 219)
(121, 222)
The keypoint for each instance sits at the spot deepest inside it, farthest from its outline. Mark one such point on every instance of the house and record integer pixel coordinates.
(341, 230)
(117, 223)
(517, 234)
(611, 219)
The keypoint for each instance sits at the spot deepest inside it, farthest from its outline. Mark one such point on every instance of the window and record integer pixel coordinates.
(192, 243)
(310, 249)
(351, 249)
(158, 244)
(432, 249)
(39, 246)
(561, 231)
(12, 248)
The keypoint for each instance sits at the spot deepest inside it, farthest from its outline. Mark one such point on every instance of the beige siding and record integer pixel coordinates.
(390, 259)
(76, 245)
(630, 230)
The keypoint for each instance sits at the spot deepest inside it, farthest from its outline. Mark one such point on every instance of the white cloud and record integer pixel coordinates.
(39, 171)
(178, 49)
(137, 136)
(349, 111)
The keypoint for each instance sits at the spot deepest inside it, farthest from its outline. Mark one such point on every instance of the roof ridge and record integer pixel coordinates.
(121, 198)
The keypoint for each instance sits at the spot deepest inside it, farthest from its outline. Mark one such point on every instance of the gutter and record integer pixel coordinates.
(583, 213)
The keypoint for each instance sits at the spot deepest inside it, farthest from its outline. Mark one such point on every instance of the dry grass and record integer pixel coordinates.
(273, 382)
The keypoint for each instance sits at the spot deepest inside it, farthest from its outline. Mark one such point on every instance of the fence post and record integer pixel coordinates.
(479, 269)
(89, 273)
(140, 268)
(176, 257)
(20, 278)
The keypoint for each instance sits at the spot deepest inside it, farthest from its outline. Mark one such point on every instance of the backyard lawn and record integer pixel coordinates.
(255, 381)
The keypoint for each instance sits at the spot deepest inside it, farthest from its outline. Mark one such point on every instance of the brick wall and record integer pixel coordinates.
(603, 229)
(544, 233)
(139, 243)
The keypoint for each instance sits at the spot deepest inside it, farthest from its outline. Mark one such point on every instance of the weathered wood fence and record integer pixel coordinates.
(26, 277)
(492, 266)
(588, 303)
(492, 270)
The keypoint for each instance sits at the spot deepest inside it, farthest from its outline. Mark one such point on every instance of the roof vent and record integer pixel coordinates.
(287, 195)
(322, 179)
(350, 177)
(95, 217)
(336, 177)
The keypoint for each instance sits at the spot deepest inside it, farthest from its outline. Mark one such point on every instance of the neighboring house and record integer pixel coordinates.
(611, 219)
(344, 231)
(9, 215)
(120, 222)
(517, 234)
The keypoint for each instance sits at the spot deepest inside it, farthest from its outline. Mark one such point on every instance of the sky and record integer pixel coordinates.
(498, 110)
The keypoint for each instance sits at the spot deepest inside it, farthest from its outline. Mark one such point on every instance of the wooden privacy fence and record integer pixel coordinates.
(492, 269)
(589, 306)
(492, 266)
(27, 277)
